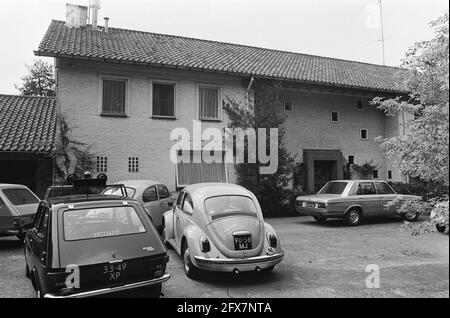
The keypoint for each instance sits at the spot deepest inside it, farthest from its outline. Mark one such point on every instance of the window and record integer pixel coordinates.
(102, 164)
(180, 199)
(118, 191)
(389, 174)
(351, 159)
(375, 174)
(366, 188)
(230, 204)
(101, 222)
(188, 205)
(383, 188)
(133, 164)
(163, 100)
(3, 209)
(209, 103)
(334, 117)
(114, 96)
(359, 105)
(288, 107)
(163, 192)
(363, 134)
(150, 195)
(333, 188)
(20, 196)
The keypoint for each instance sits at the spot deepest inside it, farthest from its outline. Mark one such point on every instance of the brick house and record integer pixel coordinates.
(27, 139)
(123, 91)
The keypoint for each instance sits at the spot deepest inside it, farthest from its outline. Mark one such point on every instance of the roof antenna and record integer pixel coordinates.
(382, 31)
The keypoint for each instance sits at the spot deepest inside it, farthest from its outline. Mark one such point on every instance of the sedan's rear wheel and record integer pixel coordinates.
(189, 268)
(320, 219)
(353, 217)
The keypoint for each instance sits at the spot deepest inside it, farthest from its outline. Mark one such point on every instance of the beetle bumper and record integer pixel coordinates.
(104, 291)
(242, 265)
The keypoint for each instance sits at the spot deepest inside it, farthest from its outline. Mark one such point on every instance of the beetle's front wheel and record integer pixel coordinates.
(189, 268)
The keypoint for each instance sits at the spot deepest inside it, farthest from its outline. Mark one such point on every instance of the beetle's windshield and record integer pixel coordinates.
(101, 222)
(230, 204)
(333, 188)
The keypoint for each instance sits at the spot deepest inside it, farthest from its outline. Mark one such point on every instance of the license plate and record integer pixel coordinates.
(310, 205)
(242, 242)
(114, 271)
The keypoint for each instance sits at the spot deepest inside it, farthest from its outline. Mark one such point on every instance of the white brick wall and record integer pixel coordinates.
(308, 126)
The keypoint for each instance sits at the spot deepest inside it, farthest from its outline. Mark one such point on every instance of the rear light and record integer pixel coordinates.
(159, 270)
(205, 247)
(273, 241)
(321, 205)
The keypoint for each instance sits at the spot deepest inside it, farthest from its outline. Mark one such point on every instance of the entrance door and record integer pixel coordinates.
(323, 173)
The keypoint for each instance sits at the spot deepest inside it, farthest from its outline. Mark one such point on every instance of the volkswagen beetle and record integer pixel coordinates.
(220, 227)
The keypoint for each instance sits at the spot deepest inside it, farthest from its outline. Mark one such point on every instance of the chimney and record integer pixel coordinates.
(76, 16)
(106, 25)
(95, 6)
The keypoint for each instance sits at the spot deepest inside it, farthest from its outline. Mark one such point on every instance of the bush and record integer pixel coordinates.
(439, 214)
(426, 190)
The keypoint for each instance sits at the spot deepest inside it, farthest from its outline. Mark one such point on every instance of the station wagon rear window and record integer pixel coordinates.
(230, 204)
(333, 188)
(101, 222)
(20, 196)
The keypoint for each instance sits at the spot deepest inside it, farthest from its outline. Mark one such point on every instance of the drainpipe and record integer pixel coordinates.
(250, 84)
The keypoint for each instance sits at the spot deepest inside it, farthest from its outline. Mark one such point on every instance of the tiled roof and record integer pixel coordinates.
(135, 47)
(27, 124)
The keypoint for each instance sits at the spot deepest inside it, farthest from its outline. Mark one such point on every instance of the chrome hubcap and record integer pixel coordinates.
(353, 216)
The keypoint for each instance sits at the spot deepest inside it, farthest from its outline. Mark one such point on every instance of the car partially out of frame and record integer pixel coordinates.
(93, 245)
(353, 200)
(220, 227)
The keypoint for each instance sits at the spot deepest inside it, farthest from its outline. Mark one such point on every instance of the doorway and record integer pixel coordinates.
(323, 173)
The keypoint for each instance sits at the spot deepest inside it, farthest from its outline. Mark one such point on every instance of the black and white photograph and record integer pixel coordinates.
(222, 154)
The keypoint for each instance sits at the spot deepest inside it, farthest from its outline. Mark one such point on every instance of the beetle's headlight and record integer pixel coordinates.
(272, 239)
(205, 247)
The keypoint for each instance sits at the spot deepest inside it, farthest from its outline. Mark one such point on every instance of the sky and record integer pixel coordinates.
(347, 29)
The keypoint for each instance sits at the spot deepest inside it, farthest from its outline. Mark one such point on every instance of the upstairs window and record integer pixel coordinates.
(209, 103)
(334, 117)
(375, 174)
(114, 97)
(364, 134)
(288, 107)
(359, 105)
(163, 100)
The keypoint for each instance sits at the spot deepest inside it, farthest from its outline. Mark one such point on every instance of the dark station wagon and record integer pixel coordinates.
(93, 245)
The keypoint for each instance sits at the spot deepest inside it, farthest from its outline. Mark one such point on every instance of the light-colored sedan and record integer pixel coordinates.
(18, 205)
(353, 200)
(154, 196)
(220, 227)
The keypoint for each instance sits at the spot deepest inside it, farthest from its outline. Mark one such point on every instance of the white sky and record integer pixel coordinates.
(347, 29)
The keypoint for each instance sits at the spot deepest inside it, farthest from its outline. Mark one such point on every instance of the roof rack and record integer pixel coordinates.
(86, 187)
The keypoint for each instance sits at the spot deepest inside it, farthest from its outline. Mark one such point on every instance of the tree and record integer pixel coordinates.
(264, 112)
(423, 151)
(40, 80)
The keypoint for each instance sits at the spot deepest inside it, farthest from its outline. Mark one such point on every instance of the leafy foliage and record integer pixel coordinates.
(71, 156)
(365, 171)
(423, 151)
(265, 112)
(40, 80)
(426, 190)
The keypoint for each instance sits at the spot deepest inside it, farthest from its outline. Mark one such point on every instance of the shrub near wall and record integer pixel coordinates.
(426, 190)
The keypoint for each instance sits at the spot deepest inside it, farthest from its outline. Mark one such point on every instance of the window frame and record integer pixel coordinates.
(136, 164)
(360, 134)
(156, 192)
(377, 173)
(127, 81)
(292, 107)
(175, 99)
(219, 101)
(331, 116)
(358, 185)
(362, 105)
(187, 196)
(102, 164)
